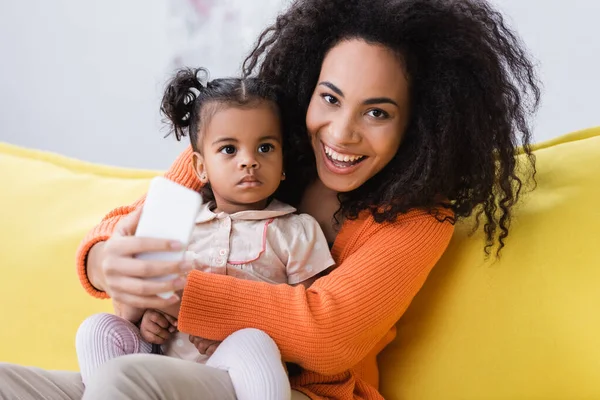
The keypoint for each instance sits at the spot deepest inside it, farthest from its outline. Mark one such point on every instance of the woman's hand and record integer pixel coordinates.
(205, 346)
(113, 268)
(131, 314)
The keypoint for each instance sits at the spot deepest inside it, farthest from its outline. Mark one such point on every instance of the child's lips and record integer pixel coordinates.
(249, 181)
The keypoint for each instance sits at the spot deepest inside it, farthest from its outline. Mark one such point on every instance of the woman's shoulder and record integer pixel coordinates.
(365, 227)
(413, 216)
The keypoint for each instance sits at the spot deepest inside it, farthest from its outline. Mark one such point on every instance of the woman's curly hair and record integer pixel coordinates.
(472, 88)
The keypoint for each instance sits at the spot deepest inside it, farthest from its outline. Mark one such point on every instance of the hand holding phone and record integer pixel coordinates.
(169, 212)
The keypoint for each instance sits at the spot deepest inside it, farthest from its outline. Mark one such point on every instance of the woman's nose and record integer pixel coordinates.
(344, 130)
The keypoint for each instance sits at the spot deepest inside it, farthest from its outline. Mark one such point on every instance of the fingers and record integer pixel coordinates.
(154, 327)
(130, 245)
(135, 281)
(154, 334)
(144, 287)
(204, 346)
(144, 301)
(212, 347)
(172, 321)
(159, 319)
(124, 266)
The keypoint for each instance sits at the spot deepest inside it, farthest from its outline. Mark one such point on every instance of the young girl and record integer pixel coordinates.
(241, 230)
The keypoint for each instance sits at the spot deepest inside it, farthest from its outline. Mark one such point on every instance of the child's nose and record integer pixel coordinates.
(248, 162)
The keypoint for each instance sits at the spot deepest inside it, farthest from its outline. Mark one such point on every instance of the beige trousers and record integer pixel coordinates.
(136, 377)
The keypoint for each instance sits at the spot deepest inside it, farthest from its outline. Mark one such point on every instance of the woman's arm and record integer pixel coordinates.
(331, 326)
(94, 257)
(90, 255)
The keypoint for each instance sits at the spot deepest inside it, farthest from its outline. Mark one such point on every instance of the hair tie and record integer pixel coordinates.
(203, 76)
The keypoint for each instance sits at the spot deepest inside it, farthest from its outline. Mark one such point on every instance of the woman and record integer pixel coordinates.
(412, 110)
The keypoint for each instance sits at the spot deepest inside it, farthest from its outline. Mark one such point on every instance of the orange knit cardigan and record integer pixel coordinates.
(334, 329)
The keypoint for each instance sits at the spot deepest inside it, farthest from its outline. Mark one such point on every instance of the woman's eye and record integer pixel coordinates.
(377, 113)
(265, 148)
(227, 150)
(330, 99)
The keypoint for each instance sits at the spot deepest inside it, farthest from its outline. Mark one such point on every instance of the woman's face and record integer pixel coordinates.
(358, 113)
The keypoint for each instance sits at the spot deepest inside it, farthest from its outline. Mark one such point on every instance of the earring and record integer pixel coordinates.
(203, 176)
(283, 174)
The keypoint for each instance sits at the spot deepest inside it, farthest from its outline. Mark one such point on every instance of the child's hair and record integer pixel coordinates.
(188, 104)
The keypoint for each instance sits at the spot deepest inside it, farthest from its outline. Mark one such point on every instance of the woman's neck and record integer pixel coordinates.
(322, 203)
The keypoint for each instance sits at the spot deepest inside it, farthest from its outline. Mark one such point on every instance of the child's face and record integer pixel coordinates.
(242, 156)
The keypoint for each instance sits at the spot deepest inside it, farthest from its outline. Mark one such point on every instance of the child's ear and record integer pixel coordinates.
(199, 169)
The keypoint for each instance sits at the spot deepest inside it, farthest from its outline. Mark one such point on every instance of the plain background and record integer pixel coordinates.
(84, 78)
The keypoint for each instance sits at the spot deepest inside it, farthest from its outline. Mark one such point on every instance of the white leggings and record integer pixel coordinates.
(249, 356)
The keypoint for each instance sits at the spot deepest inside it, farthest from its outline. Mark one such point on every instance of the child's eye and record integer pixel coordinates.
(330, 99)
(265, 148)
(377, 113)
(229, 149)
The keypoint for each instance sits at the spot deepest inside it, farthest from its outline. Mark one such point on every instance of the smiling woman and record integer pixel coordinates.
(356, 113)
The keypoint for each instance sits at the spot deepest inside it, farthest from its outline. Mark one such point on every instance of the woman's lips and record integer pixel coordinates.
(334, 164)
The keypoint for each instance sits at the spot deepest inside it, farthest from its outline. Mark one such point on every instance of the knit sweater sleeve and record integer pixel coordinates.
(181, 172)
(331, 326)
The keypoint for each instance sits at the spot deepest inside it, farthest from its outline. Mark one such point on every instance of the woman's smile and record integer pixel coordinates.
(357, 116)
(341, 163)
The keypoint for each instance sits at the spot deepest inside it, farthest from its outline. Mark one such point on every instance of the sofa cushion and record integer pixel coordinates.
(526, 326)
(48, 203)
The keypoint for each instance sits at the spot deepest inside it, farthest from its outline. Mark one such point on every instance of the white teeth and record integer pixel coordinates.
(334, 155)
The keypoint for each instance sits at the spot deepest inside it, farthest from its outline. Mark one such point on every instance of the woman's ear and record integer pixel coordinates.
(199, 169)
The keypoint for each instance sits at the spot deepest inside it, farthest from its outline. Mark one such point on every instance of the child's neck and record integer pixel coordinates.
(229, 207)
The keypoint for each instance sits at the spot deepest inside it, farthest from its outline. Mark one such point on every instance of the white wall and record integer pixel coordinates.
(564, 38)
(84, 78)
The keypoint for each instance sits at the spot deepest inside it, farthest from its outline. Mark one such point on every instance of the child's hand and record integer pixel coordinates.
(156, 327)
(205, 346)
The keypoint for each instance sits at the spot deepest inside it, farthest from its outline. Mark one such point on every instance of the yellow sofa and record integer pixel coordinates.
(524, 327)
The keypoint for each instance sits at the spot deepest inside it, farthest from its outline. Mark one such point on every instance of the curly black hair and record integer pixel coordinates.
(472, 90)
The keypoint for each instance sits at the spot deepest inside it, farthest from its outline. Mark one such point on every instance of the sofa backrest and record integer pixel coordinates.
(526, 326)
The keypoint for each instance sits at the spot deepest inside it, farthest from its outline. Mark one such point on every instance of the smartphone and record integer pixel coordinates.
(169, 212)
